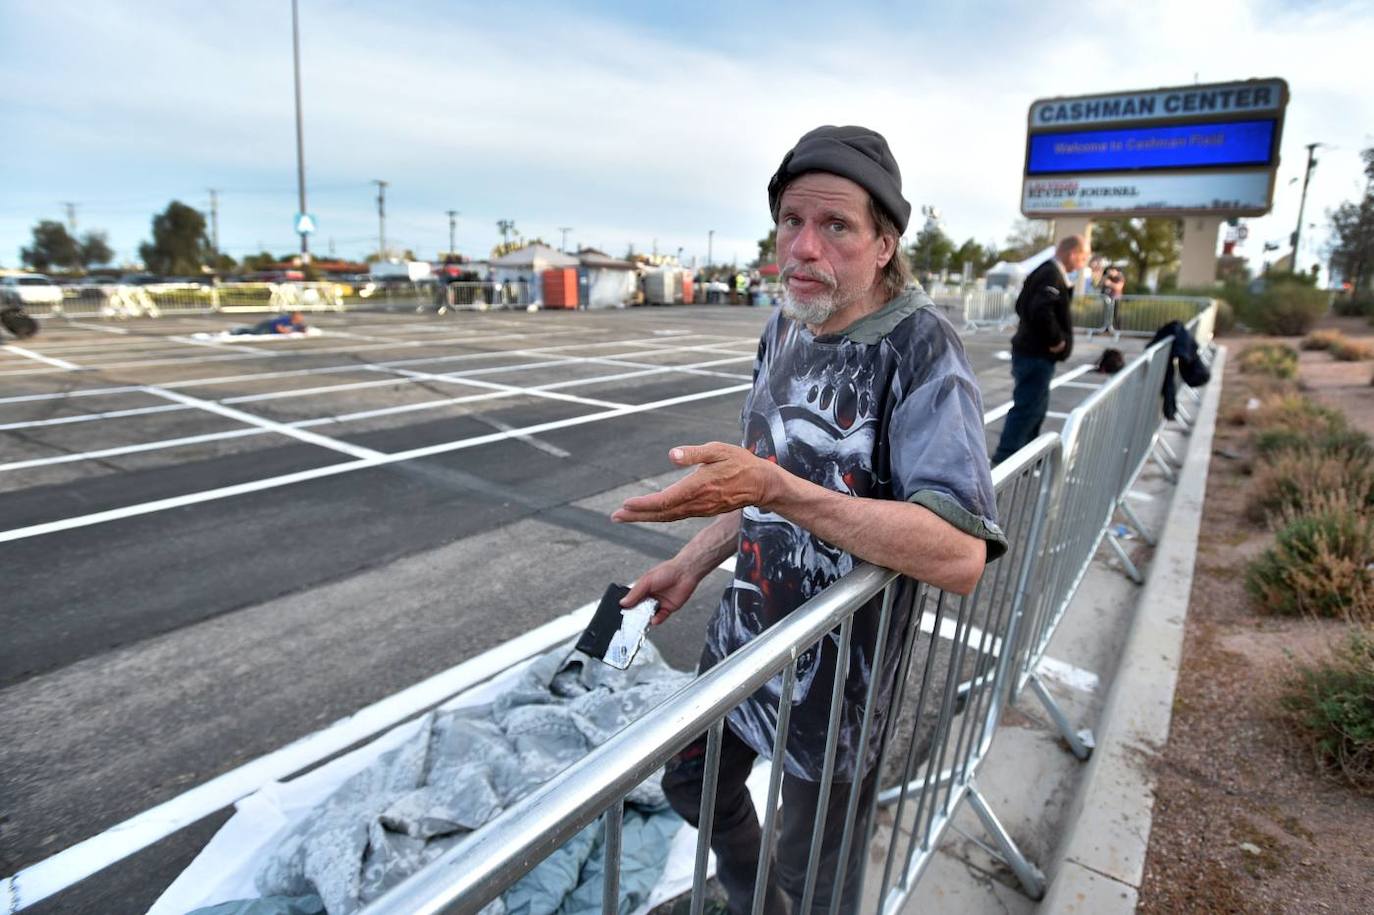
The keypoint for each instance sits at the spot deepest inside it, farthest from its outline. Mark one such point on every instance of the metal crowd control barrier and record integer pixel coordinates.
(127, 301)
(1107, 440)
(958, 676)
(482, 296)
(1142, 315)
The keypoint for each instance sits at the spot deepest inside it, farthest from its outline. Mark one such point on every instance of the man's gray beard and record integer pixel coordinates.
(816, 311)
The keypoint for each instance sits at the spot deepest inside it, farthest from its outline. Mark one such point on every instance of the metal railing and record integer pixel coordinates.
(483, 296)
(955, 677)
(1142, 315)
(127, 301)
(1108, 440)
(960, 661)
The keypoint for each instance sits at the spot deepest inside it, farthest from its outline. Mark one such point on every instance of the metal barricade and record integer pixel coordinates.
(484, 296)
(1101, 436)
(989, 308)
(1091, 312)
(1142, 315)
(958, 682)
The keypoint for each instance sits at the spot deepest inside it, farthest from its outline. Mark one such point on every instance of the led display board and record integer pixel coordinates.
(1191, 150)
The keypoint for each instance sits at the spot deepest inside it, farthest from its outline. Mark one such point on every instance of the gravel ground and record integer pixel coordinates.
(1244, 821)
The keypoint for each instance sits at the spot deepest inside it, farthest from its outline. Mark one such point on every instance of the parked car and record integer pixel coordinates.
(21, 289)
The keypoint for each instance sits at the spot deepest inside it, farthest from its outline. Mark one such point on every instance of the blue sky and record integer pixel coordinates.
(630, 122)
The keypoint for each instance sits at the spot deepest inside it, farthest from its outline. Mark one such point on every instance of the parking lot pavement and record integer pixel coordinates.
(213, 548)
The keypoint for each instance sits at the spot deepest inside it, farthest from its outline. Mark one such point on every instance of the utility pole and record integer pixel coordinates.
(563, 246)
(710, 239)
(71, 217)
(506, 226)
(452, 227)
(381, 218)
(300, 140)
(214, 221)
(1302, 204)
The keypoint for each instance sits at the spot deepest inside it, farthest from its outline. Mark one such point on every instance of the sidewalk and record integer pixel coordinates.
(1112, 666)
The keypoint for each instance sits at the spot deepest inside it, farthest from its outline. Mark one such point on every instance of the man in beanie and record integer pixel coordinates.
(862, 440)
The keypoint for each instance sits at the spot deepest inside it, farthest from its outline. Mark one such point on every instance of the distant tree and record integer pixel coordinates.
(222, 263)
(1352, 234)
(263, 260)
(932, 250)
(971, 252)
(95, 249)
(53, 246)
(1027, 237)
(179, 245)
(406, 255)
(1144, 244)
(768, 248)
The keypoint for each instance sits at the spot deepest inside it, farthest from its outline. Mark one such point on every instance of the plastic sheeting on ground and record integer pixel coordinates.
(341, 835)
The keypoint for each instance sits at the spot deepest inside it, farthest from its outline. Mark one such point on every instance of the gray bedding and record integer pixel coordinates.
(461, 770)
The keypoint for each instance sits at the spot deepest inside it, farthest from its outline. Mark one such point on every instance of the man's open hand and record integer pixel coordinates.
(727, 479)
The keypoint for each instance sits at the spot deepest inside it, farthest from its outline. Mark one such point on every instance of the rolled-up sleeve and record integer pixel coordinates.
(939, 455)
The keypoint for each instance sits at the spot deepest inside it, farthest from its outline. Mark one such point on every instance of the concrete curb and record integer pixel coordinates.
(1101, 862)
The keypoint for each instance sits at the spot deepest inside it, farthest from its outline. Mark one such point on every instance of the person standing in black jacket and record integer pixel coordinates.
(1043, 337)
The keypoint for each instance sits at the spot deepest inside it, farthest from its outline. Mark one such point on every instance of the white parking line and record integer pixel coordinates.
(330, 369)
(394, 410)
(999, 411)
(30, 354)
(312, 438)
(226, 492)
(695, 368)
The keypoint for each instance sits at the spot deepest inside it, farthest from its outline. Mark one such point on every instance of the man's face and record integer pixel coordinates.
(828, 248)
(1078, 258)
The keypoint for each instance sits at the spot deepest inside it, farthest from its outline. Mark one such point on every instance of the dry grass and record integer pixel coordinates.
(1322, 339)
(1290, 480)
(1332, 704)
(1273, 359)
(1321, 564)
(1348, 350)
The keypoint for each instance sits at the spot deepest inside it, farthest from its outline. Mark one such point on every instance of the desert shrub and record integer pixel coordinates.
(1226, 317)
(1287, 306)
(1343, 441)
(1291, 480)
(1322, 562)
(1348, 350)
(1273, 359)
(1352, 306)
(1298, 414)
(1332, 704)
(1322, 339)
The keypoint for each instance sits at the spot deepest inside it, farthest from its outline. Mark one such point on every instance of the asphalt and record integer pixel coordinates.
(146, 654)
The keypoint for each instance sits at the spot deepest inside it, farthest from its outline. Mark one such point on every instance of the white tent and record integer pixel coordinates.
(611, 283)
(526, 264)
(1011, 274)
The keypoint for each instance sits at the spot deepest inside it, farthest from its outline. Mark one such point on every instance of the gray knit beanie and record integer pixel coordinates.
(856, 153)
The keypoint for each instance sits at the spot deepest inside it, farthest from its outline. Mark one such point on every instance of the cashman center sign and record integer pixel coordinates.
(1193, 150)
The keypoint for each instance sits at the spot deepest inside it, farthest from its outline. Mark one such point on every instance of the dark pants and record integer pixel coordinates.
(737, 836)
(1030, 400)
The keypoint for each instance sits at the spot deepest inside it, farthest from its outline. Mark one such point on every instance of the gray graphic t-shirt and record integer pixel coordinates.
(887, 409)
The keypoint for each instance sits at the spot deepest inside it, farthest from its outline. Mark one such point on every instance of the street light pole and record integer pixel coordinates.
(381, 218)
(710, 239)
(563, 246)
(300, 141)
(452, 225)
(1302, 204)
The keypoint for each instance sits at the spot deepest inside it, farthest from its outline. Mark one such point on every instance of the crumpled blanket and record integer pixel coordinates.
(460, 771)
